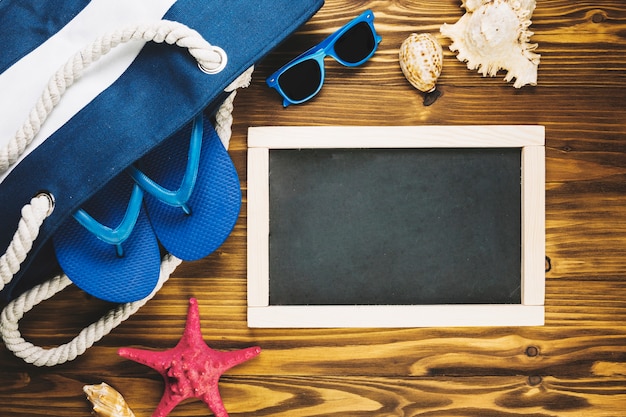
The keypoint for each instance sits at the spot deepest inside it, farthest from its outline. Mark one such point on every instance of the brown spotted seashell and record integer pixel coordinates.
(421, 60)
(107, 402)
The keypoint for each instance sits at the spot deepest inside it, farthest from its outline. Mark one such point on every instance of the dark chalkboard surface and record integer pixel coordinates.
(394, 226)
(398, 226)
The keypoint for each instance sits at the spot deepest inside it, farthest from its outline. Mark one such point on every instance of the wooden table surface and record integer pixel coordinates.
(574, 365)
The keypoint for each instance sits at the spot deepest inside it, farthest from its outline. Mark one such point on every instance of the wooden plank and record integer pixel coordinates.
(494, 136)
(258, 228)
(283, 396)
(584, 333)
(395, 316)
(533, 225)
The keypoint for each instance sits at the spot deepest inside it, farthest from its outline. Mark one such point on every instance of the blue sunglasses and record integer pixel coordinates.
(302, 78)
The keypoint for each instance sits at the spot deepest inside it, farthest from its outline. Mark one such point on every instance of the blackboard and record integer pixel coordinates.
(400, 224)
(395, 226)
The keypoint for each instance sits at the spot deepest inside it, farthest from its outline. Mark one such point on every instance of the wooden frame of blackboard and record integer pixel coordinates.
(530, 312)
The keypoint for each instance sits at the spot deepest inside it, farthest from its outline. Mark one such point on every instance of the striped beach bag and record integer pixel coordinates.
(114, 133)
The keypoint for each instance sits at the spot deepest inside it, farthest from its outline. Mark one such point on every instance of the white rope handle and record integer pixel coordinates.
(12, 313)
(33, 216)
(210, 59)
(224, 115)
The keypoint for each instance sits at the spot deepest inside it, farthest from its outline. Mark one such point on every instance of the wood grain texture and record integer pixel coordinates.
(575, 365)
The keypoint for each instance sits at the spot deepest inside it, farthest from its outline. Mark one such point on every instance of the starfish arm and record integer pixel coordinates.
(167, 404)
(230, 359)
(155, 360)
(192, 335)
(213, 399)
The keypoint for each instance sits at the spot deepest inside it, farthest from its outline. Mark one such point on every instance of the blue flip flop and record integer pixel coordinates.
(108, 248)
(196, 203)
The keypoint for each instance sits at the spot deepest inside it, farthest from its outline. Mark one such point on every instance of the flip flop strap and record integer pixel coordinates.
(211, 59)
(33, 216)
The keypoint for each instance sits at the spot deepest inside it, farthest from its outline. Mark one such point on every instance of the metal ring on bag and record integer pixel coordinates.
(220, 67)
(51, 201)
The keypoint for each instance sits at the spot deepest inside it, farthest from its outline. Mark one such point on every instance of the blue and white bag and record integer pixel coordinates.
(115, 125)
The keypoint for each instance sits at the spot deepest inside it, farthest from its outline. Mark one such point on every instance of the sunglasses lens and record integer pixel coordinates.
(356, 44)
(301, 81)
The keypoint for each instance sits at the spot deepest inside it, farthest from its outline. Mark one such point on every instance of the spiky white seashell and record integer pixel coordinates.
(107, 402)
(421, 60)
(494, 35)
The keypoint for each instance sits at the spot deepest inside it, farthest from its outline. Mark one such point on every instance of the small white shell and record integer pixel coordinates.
(494, 35)
(421, 60)
(107, 402)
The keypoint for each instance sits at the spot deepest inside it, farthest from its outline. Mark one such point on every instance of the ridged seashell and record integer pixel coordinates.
(421, 60)
(107, 402)
(493, 35)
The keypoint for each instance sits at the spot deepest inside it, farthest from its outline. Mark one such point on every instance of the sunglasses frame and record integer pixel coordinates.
(320, 51)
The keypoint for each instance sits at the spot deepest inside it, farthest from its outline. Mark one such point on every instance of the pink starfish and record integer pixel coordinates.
(192, 368)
